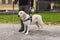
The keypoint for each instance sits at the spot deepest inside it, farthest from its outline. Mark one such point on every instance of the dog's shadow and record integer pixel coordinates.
(43, 33)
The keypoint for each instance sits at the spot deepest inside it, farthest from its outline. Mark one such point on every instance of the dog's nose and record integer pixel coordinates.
(18, 16)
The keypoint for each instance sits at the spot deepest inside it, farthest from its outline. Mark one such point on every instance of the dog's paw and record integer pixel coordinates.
(26, 33)
(23, 31)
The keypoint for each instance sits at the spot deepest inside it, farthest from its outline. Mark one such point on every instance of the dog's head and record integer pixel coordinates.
(22, 14)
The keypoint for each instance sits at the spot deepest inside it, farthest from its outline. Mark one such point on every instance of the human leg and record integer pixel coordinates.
(22, 25)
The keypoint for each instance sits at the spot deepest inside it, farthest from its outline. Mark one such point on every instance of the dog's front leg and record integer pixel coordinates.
(27, 31)
(24, 28)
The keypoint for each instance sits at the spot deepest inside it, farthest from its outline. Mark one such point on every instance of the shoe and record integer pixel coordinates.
(22, 29)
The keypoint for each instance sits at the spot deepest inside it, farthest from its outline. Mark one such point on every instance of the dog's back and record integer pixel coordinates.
(37, 18)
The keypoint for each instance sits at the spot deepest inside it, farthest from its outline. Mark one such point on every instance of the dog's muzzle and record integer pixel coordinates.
(18, 15)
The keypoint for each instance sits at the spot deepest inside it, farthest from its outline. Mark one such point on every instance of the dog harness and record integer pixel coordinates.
(30, 18)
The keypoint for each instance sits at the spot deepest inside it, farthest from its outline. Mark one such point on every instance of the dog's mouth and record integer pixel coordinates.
(18, 16)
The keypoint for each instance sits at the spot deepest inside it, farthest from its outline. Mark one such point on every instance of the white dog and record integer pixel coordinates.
(36, 19)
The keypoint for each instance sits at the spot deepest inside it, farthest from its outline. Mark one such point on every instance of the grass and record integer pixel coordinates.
(52, 18)
(9, 19)
(48, 17)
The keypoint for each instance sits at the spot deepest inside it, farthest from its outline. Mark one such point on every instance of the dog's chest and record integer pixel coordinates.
(30, 18)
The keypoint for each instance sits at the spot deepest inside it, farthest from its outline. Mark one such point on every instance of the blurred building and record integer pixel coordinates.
(48, 5)
(6, 5)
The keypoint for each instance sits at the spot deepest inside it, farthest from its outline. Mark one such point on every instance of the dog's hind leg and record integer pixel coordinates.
(40, 23)
(38, 26)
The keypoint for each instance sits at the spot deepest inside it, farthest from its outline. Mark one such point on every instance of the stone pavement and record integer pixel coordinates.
(48, 32)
